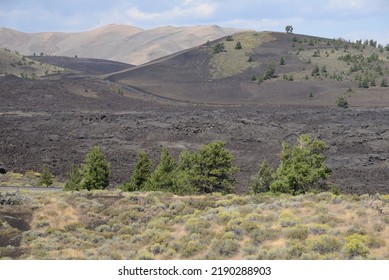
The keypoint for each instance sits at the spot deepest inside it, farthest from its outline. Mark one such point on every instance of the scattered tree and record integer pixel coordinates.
(270, 72)
(384, 83)
(282, 61)
(238, 45)
(218, 48)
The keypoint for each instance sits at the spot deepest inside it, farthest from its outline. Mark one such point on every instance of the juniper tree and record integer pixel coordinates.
(95, 170)
(261, 181)
(141, 173)
(162, 178)
(74, 179)
(46, 178)
(302, 168)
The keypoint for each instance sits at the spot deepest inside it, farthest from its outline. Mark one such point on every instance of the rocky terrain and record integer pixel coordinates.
(179, 102)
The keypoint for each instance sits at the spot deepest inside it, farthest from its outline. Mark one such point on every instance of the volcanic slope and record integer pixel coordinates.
(113, 42)
(315, 71)
(88, 66)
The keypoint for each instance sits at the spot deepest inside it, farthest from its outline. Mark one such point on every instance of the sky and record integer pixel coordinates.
(348, 19)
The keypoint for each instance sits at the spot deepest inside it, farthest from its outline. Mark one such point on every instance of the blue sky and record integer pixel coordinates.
(349, 19)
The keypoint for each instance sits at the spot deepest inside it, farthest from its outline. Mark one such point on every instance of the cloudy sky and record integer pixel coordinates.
(349, 19)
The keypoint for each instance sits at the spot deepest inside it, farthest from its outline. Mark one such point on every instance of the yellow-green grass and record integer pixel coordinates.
(117, 225)
(233, 61)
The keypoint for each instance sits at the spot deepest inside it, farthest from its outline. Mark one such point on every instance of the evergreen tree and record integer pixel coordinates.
(238, 45)
(46, 178)
(282, 61)
(95, 170)
(74, 179)
(384, 83)
(184, 175)
(261, 181)
(270, 72)
(301, 169)
(162, 179)
(141, 173)
(213, 169)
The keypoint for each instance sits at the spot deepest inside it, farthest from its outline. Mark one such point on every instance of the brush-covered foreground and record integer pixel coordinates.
(155, 225)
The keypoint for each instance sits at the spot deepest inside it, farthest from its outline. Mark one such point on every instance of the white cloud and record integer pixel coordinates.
(188, 8)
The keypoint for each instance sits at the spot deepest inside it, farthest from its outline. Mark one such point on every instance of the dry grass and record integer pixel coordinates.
(115, 225)
(232, 61)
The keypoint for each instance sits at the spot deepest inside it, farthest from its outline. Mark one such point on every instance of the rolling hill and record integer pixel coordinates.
(315, 71)
(113, 42)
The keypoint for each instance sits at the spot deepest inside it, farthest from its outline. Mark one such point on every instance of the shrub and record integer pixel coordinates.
(270, 72)
(225, 246)
(326, 244)
(282, 61)
(238, 45)
(299, 232)
(355, 247)
(342, 102)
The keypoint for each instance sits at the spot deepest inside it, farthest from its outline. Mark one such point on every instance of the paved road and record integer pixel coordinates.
(14, 189)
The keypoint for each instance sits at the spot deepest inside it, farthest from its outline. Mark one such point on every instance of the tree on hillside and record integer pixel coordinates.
(289, 29)
(140, 175)
(218, 48)
(238, 45)
(162, 179)
(95, 170)
(302, 168)
(184, 180)
(270, 72)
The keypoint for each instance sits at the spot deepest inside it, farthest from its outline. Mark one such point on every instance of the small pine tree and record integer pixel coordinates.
(315, 71)
(261, 181)
(384, 83)
(74, 179)
(342, 102)
(162, 179)
(282, 61)
(213, 169)
(253, 78)
(218, 48)
(250, 59)
(270, 72)
(141, 173)
(46, 178)
(238, 45)
(95, 170)
(301, 169)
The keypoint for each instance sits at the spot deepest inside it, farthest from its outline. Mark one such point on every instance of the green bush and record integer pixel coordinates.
(325, 244)
(342, 102)
(299, 232)
(355, 246)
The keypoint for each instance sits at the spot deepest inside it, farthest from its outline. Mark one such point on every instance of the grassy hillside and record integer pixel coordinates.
(23, 67)
(307, 71)
(116, 225)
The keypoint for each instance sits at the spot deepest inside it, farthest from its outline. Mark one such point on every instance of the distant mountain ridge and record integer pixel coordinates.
(116, 42)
